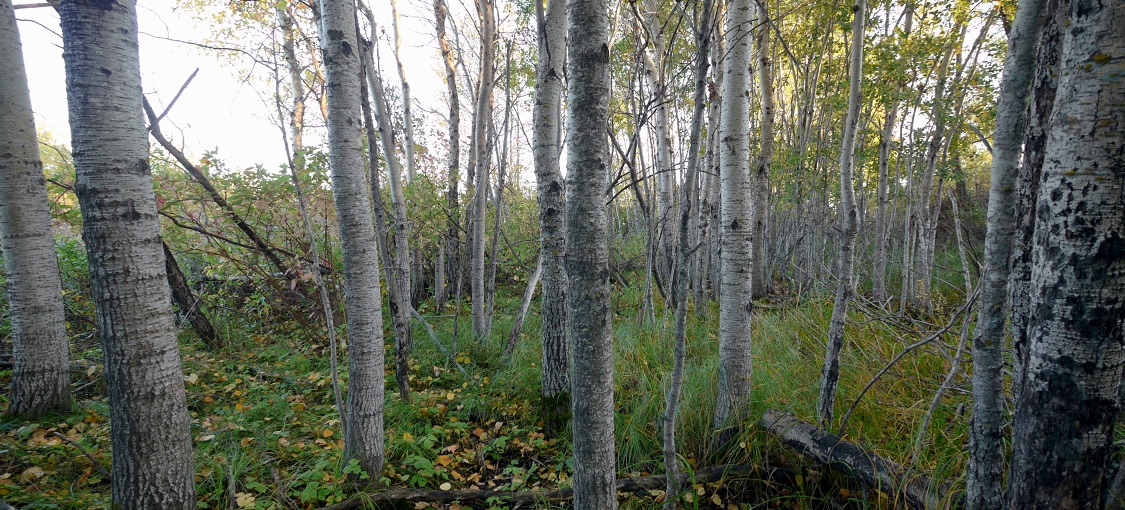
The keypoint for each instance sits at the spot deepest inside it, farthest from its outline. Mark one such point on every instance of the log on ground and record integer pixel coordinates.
(902, 483)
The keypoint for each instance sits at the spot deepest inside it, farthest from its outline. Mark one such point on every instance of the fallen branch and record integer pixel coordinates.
(705, 475)
(916, 490)
(952, 320)
(97, 465)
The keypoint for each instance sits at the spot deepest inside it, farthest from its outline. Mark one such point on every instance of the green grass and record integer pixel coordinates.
(265, 426)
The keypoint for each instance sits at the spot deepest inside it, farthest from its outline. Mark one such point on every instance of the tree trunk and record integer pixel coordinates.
(886, 144)
(479, 161)
(407, 105)
(400, 273)
(296, 164)
(1063, 428)
(150, 434)
(830, 374)
(363, 436)
(986, 449)
(1035, 141)
(683, 256)
(552, 192)
(589, 325)
(665, 172)
(40, 375)
(763, 279)
(191, 307)
(452, 246)
(736, 277)
(525, 304)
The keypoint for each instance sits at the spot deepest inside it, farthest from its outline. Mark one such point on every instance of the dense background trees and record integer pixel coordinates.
(726, 158)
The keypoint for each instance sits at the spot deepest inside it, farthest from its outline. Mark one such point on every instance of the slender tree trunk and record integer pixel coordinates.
(714, 190)
(150, 434)
(763, 279)
(525, 304)
(191, 307)
(400, 296)
(407, 105)
(41, 374)
(928, 213)
(986, 448)
(363, 436)
(551, 194)
(1068, 404)
(498, 201)
(480, 158)
(886, 144)
(589, 324)
(665, 173)
(453, 234)
(680, 282)
(736, 277)
(830, 374)
(296, 164)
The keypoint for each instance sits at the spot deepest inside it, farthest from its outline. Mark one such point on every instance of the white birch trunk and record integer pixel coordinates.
(363, 437)
(150, 427)
(830, 373)
(1068, 405)
(407, 105)
(736, 228)
(480, 162)
(986, 448)
(680, 281)
(451, 244)
(555, 377)
(763, 279)
(41, 372)
(400, 272)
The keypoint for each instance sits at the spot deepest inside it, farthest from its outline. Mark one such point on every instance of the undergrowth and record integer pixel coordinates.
(267, 435)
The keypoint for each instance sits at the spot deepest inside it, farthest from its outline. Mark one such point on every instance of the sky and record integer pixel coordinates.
(217, 111)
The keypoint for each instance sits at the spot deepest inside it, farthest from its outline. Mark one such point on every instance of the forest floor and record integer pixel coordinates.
(267, 434)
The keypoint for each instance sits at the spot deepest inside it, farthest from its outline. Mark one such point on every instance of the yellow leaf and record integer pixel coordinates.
(408, 437)
(455, 506)
(207, 437)
(327, 433)
(449, 396)
(246, 441)
(445, 486)
(31, 473)
(716, 499)
(443, 460)
(192, 378)
(244, 500)
(689, 497)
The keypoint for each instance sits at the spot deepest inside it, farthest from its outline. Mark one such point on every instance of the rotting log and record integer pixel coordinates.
(901, 483)
(643, 483)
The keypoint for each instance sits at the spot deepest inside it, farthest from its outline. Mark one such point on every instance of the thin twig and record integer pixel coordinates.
(101, 469)
(963, 309)
(433, 336)
(174, 99)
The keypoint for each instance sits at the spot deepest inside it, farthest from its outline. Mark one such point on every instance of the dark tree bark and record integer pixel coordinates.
(191, 307)
(552, 192)
(150, 426)
(1068, 396)
(589, 327)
